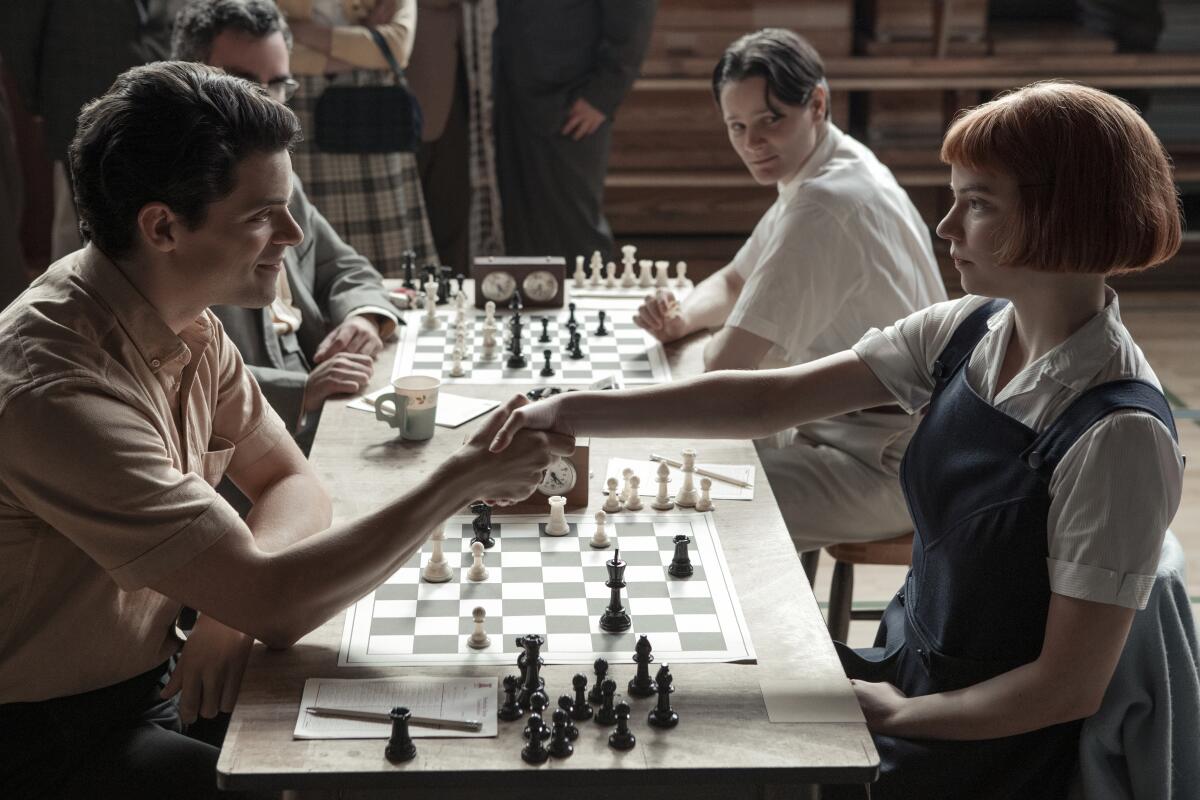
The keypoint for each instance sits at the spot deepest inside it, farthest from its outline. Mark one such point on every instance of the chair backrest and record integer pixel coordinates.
(1144, 742)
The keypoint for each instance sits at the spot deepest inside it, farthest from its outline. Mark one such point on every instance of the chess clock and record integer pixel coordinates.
(568, 476)
(541, 280)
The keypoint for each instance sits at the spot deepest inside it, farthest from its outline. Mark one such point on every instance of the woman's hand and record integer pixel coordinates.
(881, 703)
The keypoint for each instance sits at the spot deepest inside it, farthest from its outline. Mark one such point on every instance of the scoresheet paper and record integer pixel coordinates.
(452, 410)
(443, 698)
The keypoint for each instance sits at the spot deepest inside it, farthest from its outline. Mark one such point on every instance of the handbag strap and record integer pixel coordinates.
(387, 53)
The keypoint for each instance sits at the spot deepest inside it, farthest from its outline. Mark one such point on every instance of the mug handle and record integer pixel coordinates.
(399, 401)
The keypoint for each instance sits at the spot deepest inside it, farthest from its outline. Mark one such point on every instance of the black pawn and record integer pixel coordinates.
(535, 752)
(641, 685)
(410, 265)
(537, 704)
(662, 715)
(560, 742)
(622, 738)
(400, 746)
(595, 696)
(600, 329)
(607, 715)
(565, 704)
(443, 291)
(545, 337)
(509, 710)
(681, 564)
(582, 710)
(547, 370)
(571, 318)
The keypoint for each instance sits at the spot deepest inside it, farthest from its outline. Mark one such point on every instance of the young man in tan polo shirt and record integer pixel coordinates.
(122, 404)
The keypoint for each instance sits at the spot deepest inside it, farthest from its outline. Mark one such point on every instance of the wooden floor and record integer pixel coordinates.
(1167, 326)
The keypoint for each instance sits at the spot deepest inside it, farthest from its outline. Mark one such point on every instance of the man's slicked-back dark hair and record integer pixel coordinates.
(172, 132)
(201, 21)
(790, 65)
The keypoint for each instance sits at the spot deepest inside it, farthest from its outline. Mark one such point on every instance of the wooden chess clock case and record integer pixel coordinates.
(541, 279)
(567, 477)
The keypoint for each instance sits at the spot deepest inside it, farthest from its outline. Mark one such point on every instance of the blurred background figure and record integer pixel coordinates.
(373, 200)
(562, 69)
(12, 260)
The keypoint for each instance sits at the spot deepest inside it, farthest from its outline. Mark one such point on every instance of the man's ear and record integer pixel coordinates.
(157, 225)
(819, 102)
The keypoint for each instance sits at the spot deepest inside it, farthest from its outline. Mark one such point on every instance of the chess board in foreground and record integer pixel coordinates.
(554, 586)
(627, 350)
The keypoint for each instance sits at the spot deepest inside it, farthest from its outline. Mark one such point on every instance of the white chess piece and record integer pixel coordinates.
(661, 501)
(479, 638)
(489, 314)
(628, 259)
(489, 345)
(686, 496)
(612, 503)
(681, 278)
(456, 364)
(580, 276)
(634, 503)
(610, 275)
(595, 265)
(626, 474)
(477, 572)
(460, 299)
(437, 570)
(600, 537)
(705, 502)
(645, 280)
(454, 286)
(430, 321)
(557, 526)
(660, 274)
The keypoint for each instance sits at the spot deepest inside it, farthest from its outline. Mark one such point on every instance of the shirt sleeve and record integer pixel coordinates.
(103, 477)
(1111, 500)
(355, 45)
(241, 413)
(902, 355)
(801, 279)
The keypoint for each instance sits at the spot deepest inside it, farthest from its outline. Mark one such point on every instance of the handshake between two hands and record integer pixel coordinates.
(516, 445)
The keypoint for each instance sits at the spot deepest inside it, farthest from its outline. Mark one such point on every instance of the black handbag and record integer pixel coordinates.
(369, 119)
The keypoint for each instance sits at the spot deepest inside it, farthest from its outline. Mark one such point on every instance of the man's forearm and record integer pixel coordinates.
(289, 510)
(709, 304)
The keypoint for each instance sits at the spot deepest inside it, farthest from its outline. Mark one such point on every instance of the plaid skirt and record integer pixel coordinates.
(373, 200)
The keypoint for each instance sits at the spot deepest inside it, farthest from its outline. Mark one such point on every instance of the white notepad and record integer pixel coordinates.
(441, 698)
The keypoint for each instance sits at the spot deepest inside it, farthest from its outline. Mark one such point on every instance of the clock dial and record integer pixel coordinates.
(540, 286)
(560, 478)
(498, 286)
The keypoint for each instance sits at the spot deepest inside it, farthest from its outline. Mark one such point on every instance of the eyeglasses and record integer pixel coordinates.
(282, 89)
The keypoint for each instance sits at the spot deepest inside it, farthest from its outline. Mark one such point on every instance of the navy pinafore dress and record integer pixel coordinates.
(974, 603)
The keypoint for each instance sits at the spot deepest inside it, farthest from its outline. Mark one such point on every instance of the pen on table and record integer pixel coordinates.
(714, 475)
(472, 725)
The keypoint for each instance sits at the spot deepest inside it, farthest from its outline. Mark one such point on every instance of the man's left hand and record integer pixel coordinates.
(358, 334)
(583, 120)
(880, 703)
(209, 672)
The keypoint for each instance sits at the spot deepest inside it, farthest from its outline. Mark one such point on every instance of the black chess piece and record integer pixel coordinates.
(560, 742)
(615, 618)
(410, 267)
(622, 738)
(400, 746)
(565, 704)
(581, 708)
(575, 352)
(535, 752)
(538, 702)
(681, 564)
(516, 359)
(462, 282)
(545, 337)
(533, 681)
(443, 280)
(482, 525)
(515, 303)
(607, 715)
(571, 317)
(662, 715)
(641, 685)
(509, 710)
(601, 668)
(547, 370)
(600, 329)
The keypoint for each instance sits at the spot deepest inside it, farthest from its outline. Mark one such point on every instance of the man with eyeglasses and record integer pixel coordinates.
(331, 312)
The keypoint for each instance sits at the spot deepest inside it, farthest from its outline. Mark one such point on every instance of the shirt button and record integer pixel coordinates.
(156, 363)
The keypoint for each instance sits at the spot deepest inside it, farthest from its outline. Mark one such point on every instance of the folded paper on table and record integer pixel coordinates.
(806, 700)
(453, 409)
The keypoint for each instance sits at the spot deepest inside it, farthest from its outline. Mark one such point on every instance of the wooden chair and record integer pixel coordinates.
(841, 590)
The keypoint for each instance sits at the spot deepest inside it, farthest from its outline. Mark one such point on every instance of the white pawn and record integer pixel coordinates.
(645, 281)
(460, 299)
(626, 474)
(628, 259)
(705, 502)
(430, 321)
(489, 314)
(600, 537)
(579, 276)
(686, 496)
(438, 569)
(477, 572)
(595, 265)
(557, 526)
(456, 365)
(610, 275)
(612, 503)
(661, 501)
(660, 273)
(479, 638)
(634, 503)
(489, 345)
(681, 278)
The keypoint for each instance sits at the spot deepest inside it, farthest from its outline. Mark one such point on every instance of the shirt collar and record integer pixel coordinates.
(155, 342)
(826, 145)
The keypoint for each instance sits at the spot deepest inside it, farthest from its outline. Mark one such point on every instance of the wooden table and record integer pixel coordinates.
(724, 745)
